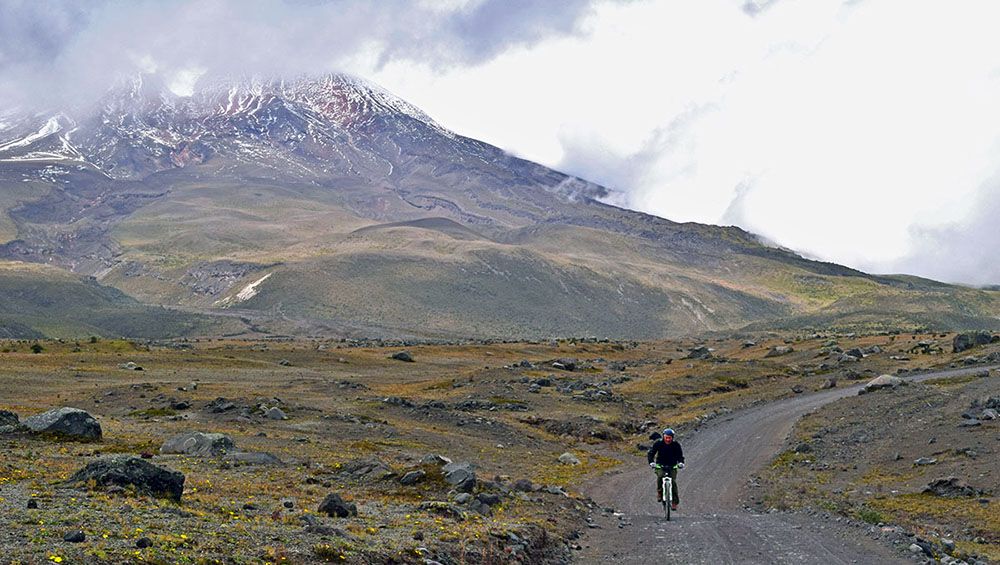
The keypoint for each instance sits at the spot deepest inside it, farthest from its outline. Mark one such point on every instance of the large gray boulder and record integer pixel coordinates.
(129, 471)
(963, 342)
(198, 444)
(883, 381)
(461, 475)
(69, 423)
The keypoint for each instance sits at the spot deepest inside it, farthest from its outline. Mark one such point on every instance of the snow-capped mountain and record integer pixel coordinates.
(328, 205)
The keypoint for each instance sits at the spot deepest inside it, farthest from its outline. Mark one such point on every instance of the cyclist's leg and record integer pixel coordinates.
(673, 482)
(659, 484)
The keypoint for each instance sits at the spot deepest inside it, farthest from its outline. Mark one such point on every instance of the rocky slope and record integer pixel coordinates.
(331, 206)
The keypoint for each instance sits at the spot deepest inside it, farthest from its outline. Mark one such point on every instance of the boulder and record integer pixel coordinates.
(950, 487)
(275, 413)
(69, 423)
(198, 444)
(9, 422)
(565, 364)
(403, 356)
(569, 459)
(412, 477)
(883, 381)
(461, 475)
(700, 352)
(366, 470)
(129, 471)
(779, 351)
(335, 506)
(855, 352)
(435, 459)
(966, 341)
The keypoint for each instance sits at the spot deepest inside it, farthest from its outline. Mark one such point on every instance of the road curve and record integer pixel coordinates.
(712, 526)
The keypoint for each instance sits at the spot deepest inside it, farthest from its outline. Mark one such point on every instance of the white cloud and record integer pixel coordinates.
(848, 131)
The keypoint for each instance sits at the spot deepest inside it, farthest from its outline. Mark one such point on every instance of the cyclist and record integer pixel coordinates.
(668, 455)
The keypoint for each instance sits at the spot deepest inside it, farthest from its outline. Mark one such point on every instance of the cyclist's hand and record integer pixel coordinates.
(680, 465)
(652, 465)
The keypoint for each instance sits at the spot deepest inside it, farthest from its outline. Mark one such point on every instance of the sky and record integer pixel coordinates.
(864, 132)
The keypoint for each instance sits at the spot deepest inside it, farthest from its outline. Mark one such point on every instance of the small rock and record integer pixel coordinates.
(285, 363)
(988, 414)
(32, 504)
(969, 423)
(950, 487)
(412, 477)
(462, 498)
(275, 413)
(335, 506)
(798, 389)
(75, 536)
(925, 461)
(143, 543)
(779, 351)
(569, 459)
(883, 381)
(403, 356)
(435, 459)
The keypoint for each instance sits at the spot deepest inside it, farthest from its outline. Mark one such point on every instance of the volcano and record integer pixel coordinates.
(329, 206)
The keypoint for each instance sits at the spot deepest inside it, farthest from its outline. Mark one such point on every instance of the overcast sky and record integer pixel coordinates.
(863, 132)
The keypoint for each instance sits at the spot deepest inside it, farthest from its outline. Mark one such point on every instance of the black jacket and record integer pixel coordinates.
(666, 455)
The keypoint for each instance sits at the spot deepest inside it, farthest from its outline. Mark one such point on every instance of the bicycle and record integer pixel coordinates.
(667, 489)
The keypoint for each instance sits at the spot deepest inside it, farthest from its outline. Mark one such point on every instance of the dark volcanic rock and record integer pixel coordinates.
(403, 356)
(950, 487)
(701, 352)
(413, 477)
(779, 351)
(966, 341)
(335, 506)
(71, 423)
(198, 443)
(9, 422)
(461, 475)
(128, 471)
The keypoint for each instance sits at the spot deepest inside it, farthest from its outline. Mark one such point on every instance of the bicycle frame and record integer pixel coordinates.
(666, 491)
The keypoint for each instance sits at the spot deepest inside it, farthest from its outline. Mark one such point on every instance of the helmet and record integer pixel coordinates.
(668, 432)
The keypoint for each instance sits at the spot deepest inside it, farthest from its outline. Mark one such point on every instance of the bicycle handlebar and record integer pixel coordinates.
(658, 466)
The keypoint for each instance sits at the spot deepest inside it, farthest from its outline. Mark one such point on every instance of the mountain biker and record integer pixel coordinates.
(667, 453)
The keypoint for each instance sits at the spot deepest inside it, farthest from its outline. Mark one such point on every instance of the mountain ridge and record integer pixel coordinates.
(362, 212)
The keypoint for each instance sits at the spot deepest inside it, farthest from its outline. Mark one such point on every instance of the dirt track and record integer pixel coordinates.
(712, 526)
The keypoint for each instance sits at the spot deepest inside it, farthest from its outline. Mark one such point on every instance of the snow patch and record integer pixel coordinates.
(248, 292)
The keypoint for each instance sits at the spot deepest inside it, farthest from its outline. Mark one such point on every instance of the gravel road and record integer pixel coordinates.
(712, 525)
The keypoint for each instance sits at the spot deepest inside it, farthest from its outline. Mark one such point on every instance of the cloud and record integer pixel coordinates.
(962, 252)
(77, 49)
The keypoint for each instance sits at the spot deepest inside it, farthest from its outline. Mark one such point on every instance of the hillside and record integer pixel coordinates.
(329, 206)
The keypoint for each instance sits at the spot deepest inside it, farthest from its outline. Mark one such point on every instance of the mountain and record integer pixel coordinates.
(329, 206)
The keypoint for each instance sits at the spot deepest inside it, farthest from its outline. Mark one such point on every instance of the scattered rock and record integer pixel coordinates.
(143, 543)
(275, 413)
(70, 423)
(128, 471)
(829, 383)
(569, 459)
(779, 351)
(442, 509)
(435, 459)
(524, 485)
(461, 475)
(198, 444)
(565, 364)
(988, 414)
(798, 389)
(925, 461)
(335, 506)
(130, 366)
(403, 356)
(700, 352)
(32, 504)
(75, 536)
(285, 363)
(413, 477)
(9, 422)
(366, 470)
(883, 381)
(950, 487)
(971, 423)
(965, 341)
